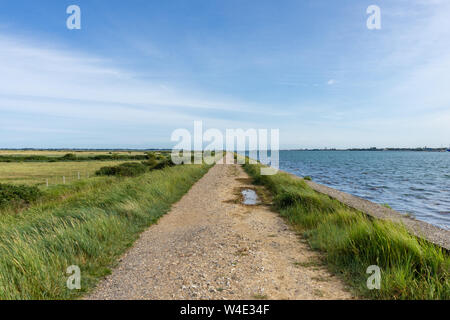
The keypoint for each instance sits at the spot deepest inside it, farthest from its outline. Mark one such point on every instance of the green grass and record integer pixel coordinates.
(72, 157)
(411, 268)
(36, 173)
(89, 223)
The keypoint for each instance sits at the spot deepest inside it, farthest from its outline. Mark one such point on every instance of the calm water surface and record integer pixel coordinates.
(410, 182)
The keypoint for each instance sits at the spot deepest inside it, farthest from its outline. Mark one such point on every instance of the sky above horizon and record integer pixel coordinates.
(137, 70)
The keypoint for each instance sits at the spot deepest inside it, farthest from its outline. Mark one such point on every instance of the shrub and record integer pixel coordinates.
(151, 163)
(150, 155)
(69, 156)
(123, 170)
(11, 195)
(161, 163)
(166, 162)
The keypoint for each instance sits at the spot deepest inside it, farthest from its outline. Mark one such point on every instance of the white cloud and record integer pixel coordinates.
(30, 70)
(43, 80)
(45, 90)
(418, 55)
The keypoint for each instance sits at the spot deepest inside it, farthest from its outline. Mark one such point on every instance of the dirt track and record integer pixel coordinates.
(212, 247)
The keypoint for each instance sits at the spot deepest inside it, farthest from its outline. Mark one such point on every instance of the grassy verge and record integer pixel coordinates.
(411, 268)
(90, 228)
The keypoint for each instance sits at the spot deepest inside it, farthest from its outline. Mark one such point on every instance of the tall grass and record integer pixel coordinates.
(91, 228)
(411, 268)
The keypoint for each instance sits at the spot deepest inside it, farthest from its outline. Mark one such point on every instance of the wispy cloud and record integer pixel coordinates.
(54, 90)
(354, 86)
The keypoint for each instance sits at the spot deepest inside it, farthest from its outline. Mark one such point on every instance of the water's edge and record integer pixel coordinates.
(414, 184)
(421, 229)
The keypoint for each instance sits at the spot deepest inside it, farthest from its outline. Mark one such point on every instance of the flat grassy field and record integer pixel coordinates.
(59, 153)
(89, 224)
(36, 173)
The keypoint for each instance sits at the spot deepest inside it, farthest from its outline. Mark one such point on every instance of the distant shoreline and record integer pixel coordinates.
(377, 150)
(168, 149)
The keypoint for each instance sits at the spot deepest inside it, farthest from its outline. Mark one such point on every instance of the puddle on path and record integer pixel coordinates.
(250, 197)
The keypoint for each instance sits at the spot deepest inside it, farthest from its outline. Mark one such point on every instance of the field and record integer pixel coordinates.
(32, 173)
(59, 153)
(37, 172)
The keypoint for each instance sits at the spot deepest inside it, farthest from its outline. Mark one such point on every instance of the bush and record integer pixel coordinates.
(150, 155)
(132, 169)
(161, 163)
(151, 163)
(123, 170)
(11, 195)
(69, 156)
(166, 162)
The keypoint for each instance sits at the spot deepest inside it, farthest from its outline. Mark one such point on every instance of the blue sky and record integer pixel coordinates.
(137, 70)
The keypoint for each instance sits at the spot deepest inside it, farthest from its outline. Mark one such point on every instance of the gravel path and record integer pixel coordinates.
(212, 247)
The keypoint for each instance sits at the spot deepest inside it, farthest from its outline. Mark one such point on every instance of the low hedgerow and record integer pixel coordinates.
(131, 169)
(16, 196)
(71, 157)
(351, 241)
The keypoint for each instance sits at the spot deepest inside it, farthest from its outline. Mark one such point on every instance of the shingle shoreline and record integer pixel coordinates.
(438, 236)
